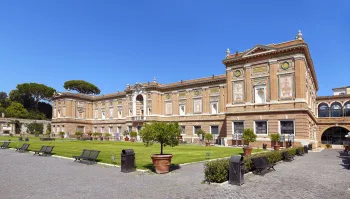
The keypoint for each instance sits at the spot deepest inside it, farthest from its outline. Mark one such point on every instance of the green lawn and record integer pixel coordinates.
(184, 153)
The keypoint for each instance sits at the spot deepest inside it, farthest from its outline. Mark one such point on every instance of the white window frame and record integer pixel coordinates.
(96, 114)
(110, 130)
(267, 126)
(193, 130)
(95, 129)
(233, 126)
(119, 130)
(102, 129)
(255, 93)
(120, 113)
(184, 113)
(59, 113)
(286, 120)
(218, 129)
(183, 133)
(54, 112)
(62, 128)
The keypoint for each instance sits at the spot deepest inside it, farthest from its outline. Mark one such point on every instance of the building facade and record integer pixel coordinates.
(268, 88)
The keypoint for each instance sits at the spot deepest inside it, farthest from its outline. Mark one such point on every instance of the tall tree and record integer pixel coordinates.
(81, 86)
(25, 99)
(16, 110)
(36, 91)
(3, 96)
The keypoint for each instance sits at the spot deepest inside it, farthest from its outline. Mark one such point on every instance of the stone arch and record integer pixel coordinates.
(325, 130)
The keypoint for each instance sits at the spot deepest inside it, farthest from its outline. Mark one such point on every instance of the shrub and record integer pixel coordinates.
(96, 134)
(218, 170)
(107, 135)
(78, 134)
(248, 136)
(328, 146)
(62, 133)
(125, 133)
(200, 132)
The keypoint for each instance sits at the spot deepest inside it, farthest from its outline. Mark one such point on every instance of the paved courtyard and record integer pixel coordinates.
(316, 175)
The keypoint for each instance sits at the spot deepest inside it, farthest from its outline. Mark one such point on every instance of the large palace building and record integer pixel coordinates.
(268, 88)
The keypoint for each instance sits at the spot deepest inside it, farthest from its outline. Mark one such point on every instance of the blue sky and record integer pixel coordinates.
(112, 43)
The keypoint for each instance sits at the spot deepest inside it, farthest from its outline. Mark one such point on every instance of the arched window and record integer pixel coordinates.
(336, 110)
(347, 109)
(323, 110)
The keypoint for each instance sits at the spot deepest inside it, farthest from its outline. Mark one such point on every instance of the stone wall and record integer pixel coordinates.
(7, 124)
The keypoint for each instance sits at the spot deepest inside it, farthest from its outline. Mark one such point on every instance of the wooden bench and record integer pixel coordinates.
(287, 157)
(5, 145)
(90, 155)
(23, 148)
(45, 150)
(261, 164)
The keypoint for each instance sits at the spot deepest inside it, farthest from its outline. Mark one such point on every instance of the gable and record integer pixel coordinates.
(258, 49)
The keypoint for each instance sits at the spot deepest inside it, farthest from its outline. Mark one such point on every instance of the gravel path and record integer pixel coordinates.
(316, 175)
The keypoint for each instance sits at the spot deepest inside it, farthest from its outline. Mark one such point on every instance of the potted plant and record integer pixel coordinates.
(78, 134)
(248, 136)
(133, 135)
(89, 134)
(95, 134)
(164, 133)
(62, 134)
(275, 138)
(107, 135)
(208, 137)
(200, 133)
(26, 139)
(125, 134)
(328, 146)
(36, 133)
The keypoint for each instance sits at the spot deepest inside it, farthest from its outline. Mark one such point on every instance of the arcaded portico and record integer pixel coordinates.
(269, 88)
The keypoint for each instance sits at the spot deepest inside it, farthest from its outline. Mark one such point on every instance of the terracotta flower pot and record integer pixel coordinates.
(207, 144)
(247, 151)
(126, 139)
(161, 163)
(276, 147)
(132, 140)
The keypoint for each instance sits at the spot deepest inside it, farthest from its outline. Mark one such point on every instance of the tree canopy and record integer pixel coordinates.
(36, 91)
(81, 86)
(165, 133)
(16, 110)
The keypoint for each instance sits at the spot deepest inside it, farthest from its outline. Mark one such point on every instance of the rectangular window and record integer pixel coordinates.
(119, 113)
(54, 112)
(95, 129)
(62, 129)
(102, 129)
(214, 130)
(81, 129)
(129, 128)
(58, 128)
(287, 127)
(182, 109)
(59, 113)
(195, 129)
(261, 127)
(214, 108)
(183, 130)
(111, 112)
(197, 106)
(149, 111)
(111, 130)
(103, 115)
(96, 114)
(130, 112)
(168, 108)
(238, 127)
(54, 129)
(119, 130)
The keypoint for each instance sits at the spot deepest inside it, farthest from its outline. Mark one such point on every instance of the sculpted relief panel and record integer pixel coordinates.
(238, 91)
(285, 87)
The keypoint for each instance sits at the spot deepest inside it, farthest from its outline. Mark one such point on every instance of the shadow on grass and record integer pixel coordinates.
(173, 167)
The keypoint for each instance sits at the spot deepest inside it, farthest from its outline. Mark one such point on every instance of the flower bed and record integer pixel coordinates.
(218, 170)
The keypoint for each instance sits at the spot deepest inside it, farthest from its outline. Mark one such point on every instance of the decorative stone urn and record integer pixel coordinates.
(161, 163)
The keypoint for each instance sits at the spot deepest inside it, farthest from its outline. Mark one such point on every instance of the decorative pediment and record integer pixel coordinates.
(259, 49)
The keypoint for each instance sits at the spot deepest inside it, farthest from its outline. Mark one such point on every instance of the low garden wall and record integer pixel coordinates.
(218, 170)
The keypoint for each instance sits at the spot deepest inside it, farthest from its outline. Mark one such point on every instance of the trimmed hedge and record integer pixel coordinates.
(218, 170)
